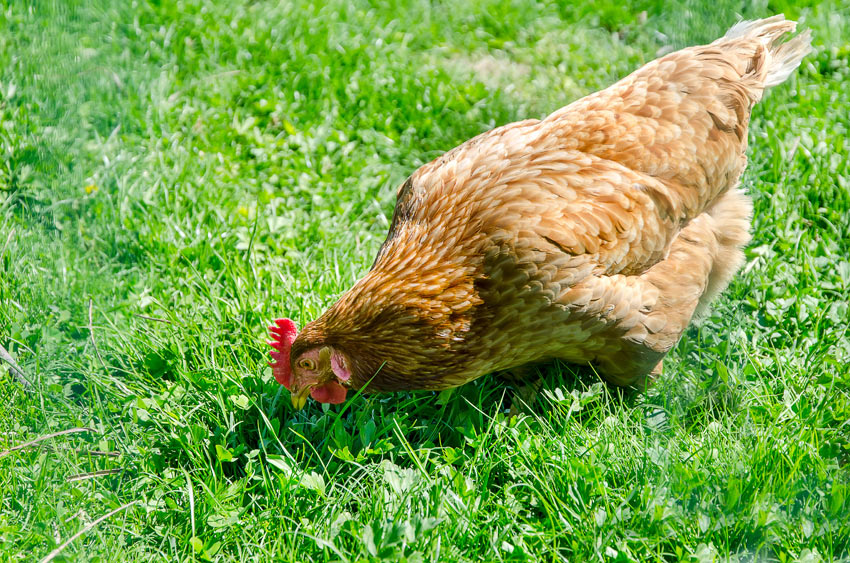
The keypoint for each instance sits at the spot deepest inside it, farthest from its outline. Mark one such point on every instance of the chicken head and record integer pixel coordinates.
(318, 372)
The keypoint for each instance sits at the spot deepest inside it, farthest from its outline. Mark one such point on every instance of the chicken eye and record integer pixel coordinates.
(307, 364)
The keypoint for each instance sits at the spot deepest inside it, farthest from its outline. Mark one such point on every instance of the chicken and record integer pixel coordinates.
(592, 236)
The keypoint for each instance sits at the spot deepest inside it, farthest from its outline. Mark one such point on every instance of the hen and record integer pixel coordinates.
(592, 236)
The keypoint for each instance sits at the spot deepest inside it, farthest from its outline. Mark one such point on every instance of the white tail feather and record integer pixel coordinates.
(767, 28)
(783, 58)
(786, 57)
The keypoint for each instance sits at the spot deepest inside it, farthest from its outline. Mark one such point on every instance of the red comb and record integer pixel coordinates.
(283, 333)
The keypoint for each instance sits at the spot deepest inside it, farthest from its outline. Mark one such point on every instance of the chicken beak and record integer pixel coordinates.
(299, 398)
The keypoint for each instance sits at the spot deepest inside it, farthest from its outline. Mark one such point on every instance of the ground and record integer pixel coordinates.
(175, 175)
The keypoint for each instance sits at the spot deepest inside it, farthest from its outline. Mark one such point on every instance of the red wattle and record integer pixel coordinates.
(331, 392)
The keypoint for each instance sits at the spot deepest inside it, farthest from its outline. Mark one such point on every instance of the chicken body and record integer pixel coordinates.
(591, 236)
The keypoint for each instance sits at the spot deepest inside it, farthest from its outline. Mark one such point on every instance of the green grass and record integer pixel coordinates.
(172, 178)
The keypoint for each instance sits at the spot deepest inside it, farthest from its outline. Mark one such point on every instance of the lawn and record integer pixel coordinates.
(175, 175)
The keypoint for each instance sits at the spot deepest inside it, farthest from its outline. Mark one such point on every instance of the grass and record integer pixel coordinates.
(175, 175)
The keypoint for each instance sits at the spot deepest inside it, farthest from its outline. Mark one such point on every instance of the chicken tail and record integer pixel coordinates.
(782, 58)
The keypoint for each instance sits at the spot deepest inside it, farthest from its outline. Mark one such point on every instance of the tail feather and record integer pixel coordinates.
(786, 57)
(767, 30)
(782, 58)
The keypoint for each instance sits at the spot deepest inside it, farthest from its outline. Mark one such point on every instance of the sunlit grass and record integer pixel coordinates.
(172, 177)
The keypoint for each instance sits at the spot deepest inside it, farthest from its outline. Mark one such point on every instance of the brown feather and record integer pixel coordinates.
(592, 235)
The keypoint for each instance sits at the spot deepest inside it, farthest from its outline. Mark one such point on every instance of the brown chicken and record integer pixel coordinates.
(592, 236)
